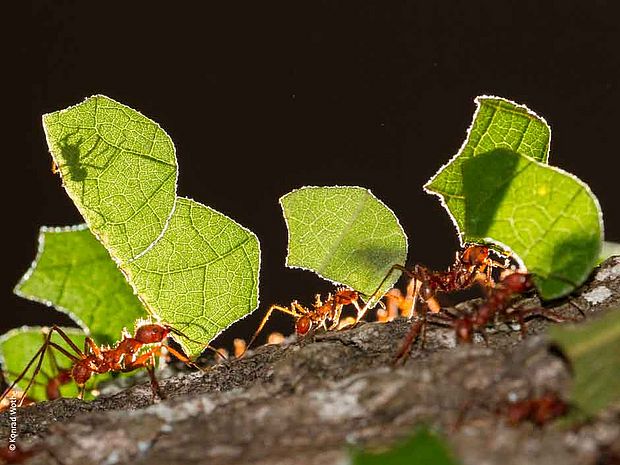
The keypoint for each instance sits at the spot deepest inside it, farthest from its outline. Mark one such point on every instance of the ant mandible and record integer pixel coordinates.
(123, 357)
(319, 315)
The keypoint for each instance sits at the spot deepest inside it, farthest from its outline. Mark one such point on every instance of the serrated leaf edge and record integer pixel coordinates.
(155, 315)
(117, 260)
(581, 183)
(478, 101)
(288, 230)
(40, 250)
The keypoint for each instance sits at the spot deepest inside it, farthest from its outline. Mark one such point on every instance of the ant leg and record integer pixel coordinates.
(290, 311)
(411, 336)
(182, 357)
(394, 267)
(40, 354)
(180, 333)
(147, 360)
(154, 384)
(68, 340)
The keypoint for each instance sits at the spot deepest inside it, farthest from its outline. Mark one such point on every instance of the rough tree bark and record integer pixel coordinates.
(308, 401)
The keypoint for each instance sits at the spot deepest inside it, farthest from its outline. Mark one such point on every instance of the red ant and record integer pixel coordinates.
(539, 410)
(470, 266)
(123, 357)
(320, 314)
(496, 305)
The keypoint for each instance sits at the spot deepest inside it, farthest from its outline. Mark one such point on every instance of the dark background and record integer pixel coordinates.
(261, 99)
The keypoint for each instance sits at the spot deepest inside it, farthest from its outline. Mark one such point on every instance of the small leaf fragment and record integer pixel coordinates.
(344, 234)
(594, 352)
(18, 346)
(120, 170)
(201, 276)
(423, 448)
(74, 273)
(497, 124)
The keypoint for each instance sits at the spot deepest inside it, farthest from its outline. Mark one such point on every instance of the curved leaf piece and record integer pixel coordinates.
(201, 276)
(119, 168)
(593, 350)
(18, 346)
(74, 273)
(497, 124)
(344, 234)
(547, 217)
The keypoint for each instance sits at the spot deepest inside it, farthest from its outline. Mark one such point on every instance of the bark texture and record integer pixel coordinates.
(308, 401)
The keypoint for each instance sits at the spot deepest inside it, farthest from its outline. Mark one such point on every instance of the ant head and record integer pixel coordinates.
(151, 333)
(346, 296)
(303, 325)
(426, 291)
(475, 254)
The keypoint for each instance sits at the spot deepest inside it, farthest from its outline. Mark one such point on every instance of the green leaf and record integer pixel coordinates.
(609, 250)
(499, 190)
(344, 234)
(594, 352)
(18, 346)
(498, 124)
(201, 276)
(119, 168)
(423, 448)
(547, 217)
(74, 273)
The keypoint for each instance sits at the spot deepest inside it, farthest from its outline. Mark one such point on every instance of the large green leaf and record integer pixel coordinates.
(201, 276)
(18, 346)
(74, 273)
(547, 217)
(499, 190)
(594, 352)
(344, 234)
(423, 448)
(497, 124)
(119, 168)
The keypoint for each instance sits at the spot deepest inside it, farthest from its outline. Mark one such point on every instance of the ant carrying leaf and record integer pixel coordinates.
(326, 314)
(130, 353)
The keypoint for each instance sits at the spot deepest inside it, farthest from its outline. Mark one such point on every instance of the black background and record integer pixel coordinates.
(264, 98)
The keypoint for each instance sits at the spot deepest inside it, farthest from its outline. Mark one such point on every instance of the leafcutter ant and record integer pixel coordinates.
(472, 265)
(325, 314)
(130, 353)
(497, 305)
